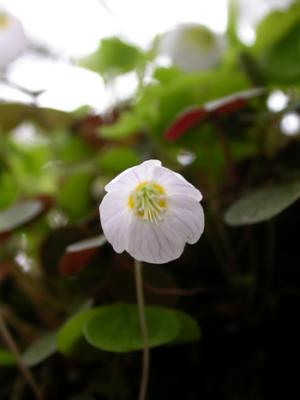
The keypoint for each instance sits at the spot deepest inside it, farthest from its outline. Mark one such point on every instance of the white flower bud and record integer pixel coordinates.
(12, 39)
(192, 47)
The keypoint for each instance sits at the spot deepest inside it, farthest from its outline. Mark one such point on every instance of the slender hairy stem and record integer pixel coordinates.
(144, 330)
(10, 343)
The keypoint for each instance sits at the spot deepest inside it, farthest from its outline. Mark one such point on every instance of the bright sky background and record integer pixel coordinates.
(73, 28)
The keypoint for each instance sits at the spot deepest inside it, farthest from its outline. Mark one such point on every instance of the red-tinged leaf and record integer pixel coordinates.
(185, 120)
(233, 102)
(54, 246)
(4, 236)
(5, 269)
(72, 263)
(87, 129)
(229, 108)
(192, 116)
(78, 255)
(47, 202)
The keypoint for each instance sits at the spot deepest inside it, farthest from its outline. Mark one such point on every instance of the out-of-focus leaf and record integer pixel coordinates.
(189, 329)
(78, 255)
(75, 194)
(116, 328)
(232, 22)
(19, 214)
(113, 57)
(7, 190)
(184, 121)
(70, 339)
(128, 124)
(263, 204)
(71, 149)
(168, 74)
(55, 245)
(40, 350)
(86, 244)
(280, 63)
(160, 103)
(226, 105)
(12, 114)
(277, 45)
(72, 263)
(7, 359)
(116, 160)
(275, 26)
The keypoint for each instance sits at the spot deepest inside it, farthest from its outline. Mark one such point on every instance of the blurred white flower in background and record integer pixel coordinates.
(290, 124)
(12, 39)
(151, 212)
(192, 47)
(277, 101)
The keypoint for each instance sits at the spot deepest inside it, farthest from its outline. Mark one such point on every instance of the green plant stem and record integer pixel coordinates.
(10, 343)
(144, 330)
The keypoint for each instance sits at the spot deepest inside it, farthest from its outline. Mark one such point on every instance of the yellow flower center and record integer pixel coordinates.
(148, 201)
(4, 20)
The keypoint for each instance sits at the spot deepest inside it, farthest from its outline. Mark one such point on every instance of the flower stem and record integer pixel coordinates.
(10, 343)
(144, 330)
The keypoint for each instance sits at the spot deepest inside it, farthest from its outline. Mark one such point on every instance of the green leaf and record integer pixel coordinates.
(160, 103)
(19, 214)
(75, 196)
(128, 124)
(189, 329)
(7, 189)
(70, 337)
(7, 359)
(277, 45)
(232, 23)
(116, 160)
(167, 74)
(40, 350)
(116, 328)
(263, 204)
(280, 63)
(275, 26)
(114, 57)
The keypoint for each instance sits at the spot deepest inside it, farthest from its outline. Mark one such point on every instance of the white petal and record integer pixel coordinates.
(174, 183)
(146, 169)
(153, 243)
(186, 216)
(115, 219)
(12, 40)
(131, 177)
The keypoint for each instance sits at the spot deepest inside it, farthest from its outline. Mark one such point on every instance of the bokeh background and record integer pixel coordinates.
(212, 88)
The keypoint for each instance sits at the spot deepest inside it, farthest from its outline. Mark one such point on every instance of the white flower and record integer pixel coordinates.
(12, 39)
(151, 212)
(192, 47)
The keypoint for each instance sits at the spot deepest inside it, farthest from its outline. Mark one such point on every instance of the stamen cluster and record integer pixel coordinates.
(148, 201)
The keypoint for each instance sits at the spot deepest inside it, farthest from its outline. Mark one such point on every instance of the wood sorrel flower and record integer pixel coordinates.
(151, 212)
